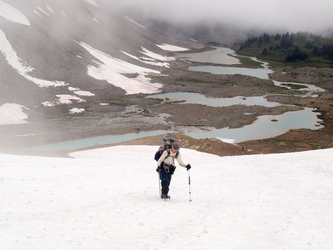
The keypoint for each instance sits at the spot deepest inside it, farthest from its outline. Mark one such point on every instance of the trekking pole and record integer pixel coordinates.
(189, 184)
(159, 184)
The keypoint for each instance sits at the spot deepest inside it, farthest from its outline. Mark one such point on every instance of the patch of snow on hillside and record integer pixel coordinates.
(64, 13)
(156, 56)
(112, 69)
(79, 92)
(43, 11)
(67, 99)
(10, 13)
(36, 12)
(83, 93)
(92, 2)
(109, 199)
(64, 99)
(149, 61)
(135, 22)
(76, 110)
(12, 113)
(231, 141)
(45, 83)
(169, 47)
(11, 56)
(14, 61)
(48, 7)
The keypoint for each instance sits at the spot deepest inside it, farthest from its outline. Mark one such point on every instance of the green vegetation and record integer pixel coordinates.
(245, 61)
(167, 100)
(294, 86)
(297, 49)
(177, 102)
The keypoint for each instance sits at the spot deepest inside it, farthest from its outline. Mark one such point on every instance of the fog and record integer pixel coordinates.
(290, 15)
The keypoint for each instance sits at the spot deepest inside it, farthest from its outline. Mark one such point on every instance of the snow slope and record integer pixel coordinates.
(108, 199)
(11, 113)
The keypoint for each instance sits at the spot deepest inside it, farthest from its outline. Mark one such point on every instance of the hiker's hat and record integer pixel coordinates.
(175, 145)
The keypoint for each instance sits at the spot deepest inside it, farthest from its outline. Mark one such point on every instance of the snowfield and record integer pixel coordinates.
(12, 113)
(10, 13)
(169, 47)
(111, 70)
(16, 63)
(108, 199)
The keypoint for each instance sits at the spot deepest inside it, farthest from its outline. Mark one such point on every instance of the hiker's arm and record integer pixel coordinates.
(180, 161)
(165, 153)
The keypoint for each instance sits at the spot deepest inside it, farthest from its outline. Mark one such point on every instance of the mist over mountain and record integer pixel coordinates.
(60, 58)
(88, 51)
(48, 36)
(47, 47)
(265, 16)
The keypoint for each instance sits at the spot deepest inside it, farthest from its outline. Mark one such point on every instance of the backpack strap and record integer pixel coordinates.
(168, 150)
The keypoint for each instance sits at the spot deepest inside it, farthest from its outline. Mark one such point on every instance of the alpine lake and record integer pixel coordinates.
(265, 126)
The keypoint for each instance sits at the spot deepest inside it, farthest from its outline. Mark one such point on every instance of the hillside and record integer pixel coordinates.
(80, 60)
(84, 68)
(52, 43)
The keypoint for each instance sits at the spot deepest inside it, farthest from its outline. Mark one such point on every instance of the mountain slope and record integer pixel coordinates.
(65, 60)
(45, 40)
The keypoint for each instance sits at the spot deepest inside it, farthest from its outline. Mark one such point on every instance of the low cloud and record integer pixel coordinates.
(290, 15)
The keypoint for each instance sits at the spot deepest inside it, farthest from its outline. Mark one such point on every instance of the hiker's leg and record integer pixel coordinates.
(168, 182)
(165, 181)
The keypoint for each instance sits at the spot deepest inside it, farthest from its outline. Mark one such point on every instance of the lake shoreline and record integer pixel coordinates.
(136, 113)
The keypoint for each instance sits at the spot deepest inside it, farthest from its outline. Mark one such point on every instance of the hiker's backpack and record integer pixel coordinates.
(167, 141)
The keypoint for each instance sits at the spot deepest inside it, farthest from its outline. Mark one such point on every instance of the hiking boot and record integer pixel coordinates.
(165, 196)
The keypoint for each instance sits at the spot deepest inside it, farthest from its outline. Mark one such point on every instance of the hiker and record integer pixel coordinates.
(166, 167)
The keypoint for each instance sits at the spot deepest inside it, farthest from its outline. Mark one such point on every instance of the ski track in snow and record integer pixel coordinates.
(108, 199)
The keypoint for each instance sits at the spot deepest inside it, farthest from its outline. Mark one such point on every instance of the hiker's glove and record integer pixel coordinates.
(158, 169)
(188, 167)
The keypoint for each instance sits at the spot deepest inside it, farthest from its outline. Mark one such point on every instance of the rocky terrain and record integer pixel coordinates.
(292, 141)
(65, 43)
(137, 113)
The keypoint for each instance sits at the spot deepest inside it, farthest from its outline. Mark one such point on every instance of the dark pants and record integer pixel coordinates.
(165, 180)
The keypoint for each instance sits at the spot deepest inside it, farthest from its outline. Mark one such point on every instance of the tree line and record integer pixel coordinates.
(293, 47)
